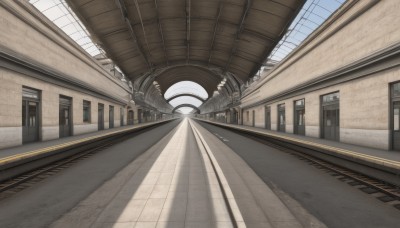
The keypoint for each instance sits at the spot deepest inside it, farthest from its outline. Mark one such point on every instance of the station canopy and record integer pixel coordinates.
(187, 39)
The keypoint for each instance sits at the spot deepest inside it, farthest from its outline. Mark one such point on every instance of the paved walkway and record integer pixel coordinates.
(50, 143)
(174, 184)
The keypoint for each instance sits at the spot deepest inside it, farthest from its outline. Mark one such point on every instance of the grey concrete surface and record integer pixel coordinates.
(380, 153)
(48, 200)
(43, 144)
(335, 203)
(170, 185)
(258, 204)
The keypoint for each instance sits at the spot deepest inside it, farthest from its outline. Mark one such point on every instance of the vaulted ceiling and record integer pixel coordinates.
(142, 36)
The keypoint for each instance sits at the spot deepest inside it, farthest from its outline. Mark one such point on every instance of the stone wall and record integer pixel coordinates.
(360, 31)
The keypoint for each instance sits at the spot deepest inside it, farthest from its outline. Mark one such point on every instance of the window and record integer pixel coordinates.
(86, 111)
(333, 97)
(396, 90)
(248, 116)
(299, 103)
(30, 93)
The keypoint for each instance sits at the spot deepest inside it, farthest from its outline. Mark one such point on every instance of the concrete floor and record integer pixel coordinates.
(161, 178)
(171, 185)
(45, 202)
(174, 184)
(335, 203)
(164, 178)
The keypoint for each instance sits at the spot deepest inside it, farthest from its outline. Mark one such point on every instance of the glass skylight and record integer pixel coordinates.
(61, 15)
(185, 100)
(310, 17)
(186, 87)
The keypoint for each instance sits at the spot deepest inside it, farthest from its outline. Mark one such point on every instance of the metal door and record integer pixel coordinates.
(396, 125)
(254, 119)
(130, 117)
(121, 111)
(140, 115)
(268, 118)
(111, 117)
(299, 122)
(331, 122)
(100, 121)
(281, 118)
(30, 121)
(234, 117)
(65, 117)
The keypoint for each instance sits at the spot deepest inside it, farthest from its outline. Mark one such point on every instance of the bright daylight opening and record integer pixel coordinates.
(185, 110)
(186, 87)
(185, 100)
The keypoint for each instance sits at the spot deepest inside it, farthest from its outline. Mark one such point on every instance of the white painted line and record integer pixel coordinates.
(232, 202)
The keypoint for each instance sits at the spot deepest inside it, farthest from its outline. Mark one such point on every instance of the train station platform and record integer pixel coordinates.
(383, 159)
(16, 156)
(27, 148)
(188, 179)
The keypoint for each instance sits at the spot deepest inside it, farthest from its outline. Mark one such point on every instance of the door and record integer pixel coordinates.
(140, 115)
(299, 122)
(331, 122)
(396, 125)
(234, 117)
(100, 120)
(254, 119)
(30, 121)
(65, 117)
(111, 117)
(130, 117)
(121, 111)
(281, 118)
(268, 118)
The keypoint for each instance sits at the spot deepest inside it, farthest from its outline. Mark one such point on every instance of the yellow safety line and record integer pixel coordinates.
(28, 154)
(334, 149)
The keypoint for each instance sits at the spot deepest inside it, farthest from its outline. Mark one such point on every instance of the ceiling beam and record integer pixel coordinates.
(143, 29)
(220, 7)
(124, 13)
(188, 12)
(238, 32)
(275, 42)
(160, 30)
(187, 94)
(186, 105)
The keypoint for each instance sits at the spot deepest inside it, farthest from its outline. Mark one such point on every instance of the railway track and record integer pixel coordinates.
(26, 180)
(384, 191)
(12, 186)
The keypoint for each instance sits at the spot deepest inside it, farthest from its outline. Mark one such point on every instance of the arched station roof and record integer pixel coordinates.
(185, 87)
(205, 78)
(142, 36)
(186, 95)
(186, 105)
